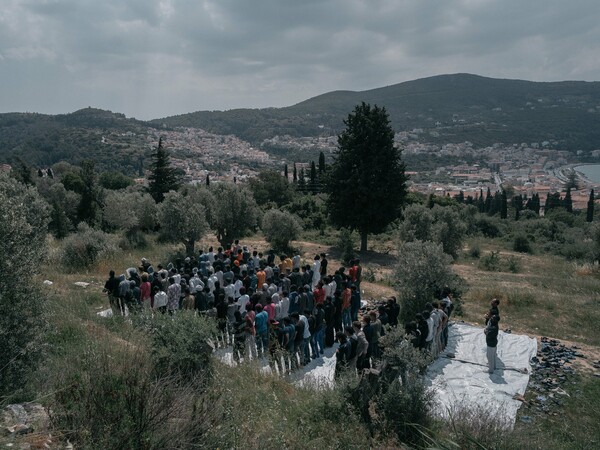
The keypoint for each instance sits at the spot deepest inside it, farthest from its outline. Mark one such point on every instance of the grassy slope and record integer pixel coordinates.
(549, 296)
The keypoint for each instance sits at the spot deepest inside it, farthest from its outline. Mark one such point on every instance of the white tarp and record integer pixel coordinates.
(464, 381)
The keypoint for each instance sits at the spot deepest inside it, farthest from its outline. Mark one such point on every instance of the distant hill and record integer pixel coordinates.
(445, 108)
(41, 140)
(449, 108)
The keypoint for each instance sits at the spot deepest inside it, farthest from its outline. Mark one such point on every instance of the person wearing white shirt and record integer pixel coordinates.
(285, 305)
(196, 284)
(229, 291)
(243, 300)
(236, 288)
(296, 261)
(316, 270)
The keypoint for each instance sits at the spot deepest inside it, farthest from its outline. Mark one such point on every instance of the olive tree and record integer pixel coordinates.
(23, 228)
(182, 220)
(423, 272)
(280, 227)
(235, 213)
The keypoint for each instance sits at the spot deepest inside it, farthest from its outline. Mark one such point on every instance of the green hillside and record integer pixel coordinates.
(41, 140)
(455, 107)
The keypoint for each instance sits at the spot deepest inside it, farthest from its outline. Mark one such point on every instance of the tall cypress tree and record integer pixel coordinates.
(488, 201)
(295, 174)
(88, 208)
(480, 202)
(285, 172)
(321, 163)
(313, 177)
(504, 205)
(302, 181)
(589, 216)
(207, 180)
(368, 173)
(568, 201)
(163, 178)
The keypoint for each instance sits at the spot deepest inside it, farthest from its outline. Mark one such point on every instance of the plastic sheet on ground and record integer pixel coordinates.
(464, 381)
(318, 373)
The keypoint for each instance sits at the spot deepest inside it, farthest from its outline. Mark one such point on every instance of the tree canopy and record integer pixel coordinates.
(163, 178)
(367, 181)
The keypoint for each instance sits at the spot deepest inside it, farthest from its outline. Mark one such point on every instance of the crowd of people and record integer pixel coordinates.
(277, 306)
(262, 303)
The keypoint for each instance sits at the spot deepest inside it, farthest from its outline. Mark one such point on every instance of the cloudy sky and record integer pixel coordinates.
(154, 58)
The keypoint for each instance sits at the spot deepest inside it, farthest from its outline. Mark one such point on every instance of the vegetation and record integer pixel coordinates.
(23, 228)
(163, 178)
(367, 173)
(280, 228)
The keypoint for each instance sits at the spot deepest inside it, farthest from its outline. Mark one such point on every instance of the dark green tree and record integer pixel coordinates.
(285, 172)
(460, 198)
(163, 178)
(367, 173)
(313, 178)
(22, 172)
(295, 174)
(207, 180)
(589, 216)
(488, 201)
(503, 205)
(270, 187)
(321, 163)
(89, 206)
(568, 201)
(302, 181)
(115, 180)
(480, 202)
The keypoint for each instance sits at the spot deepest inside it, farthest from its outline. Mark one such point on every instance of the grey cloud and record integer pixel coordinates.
(151, 58)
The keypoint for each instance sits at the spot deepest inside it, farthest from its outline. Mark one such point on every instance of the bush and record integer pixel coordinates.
(490, 262)
(279, 228)
(180, 344)
(521, 244)
(23, 232)
(422, 274)
(107, 397)
(475, 251)
(513, 264)
(488, 227)
(346, 245)
(83, 249)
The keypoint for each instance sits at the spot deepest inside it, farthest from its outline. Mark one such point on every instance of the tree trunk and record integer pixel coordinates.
(363, 241)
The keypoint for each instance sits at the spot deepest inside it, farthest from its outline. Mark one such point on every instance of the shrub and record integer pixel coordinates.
(422, 273)
(475, 251)
(513, 264)
(279, 228)
(490, 262)
(83, 249)
(488, 227)
(23, 231)
(180, 344)
(107, 397)
(346, 245)
(521, 244)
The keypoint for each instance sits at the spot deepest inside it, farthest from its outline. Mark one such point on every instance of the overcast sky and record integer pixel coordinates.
(154, 58)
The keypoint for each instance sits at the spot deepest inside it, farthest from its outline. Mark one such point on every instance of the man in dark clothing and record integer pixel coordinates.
(329, 310)
(354, 303)
(111, 288)
(319, 329)
(423, 330)
(393, 311)
(323, 269)
(491, 339)
(342, 354)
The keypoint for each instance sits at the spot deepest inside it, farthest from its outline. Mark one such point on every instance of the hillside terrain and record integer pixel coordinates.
(449, 108)
(437, 110)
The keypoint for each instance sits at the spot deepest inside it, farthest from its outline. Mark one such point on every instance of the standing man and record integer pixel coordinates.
(491, 339)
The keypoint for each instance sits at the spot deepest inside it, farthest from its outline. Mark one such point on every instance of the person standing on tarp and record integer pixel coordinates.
(491, 339)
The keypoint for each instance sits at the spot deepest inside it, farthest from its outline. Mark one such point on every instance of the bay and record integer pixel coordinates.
(590, 171)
